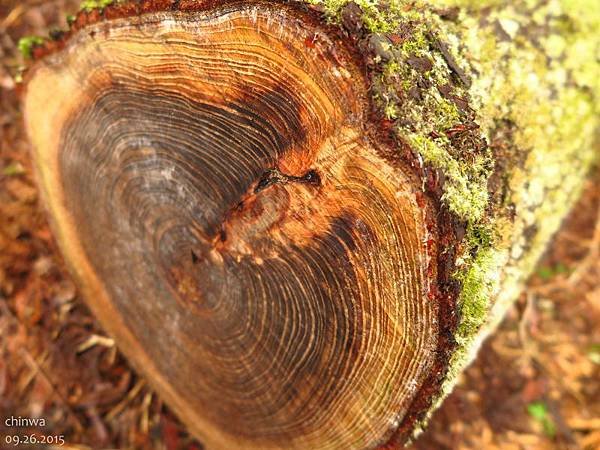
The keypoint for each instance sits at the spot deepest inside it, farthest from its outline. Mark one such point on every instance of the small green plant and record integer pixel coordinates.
(13, 169)
(593, 353)
(548, 272)
(27, 43)
(539, 412)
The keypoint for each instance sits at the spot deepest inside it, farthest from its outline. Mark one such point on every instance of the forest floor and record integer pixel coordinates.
(535, 384)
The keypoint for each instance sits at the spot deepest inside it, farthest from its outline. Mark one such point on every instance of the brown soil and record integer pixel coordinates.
(535, 385)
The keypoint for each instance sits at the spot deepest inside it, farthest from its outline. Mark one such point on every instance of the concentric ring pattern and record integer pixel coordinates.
(212, 174)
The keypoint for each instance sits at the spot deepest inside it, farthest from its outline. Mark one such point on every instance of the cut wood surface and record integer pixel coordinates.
(300, 221)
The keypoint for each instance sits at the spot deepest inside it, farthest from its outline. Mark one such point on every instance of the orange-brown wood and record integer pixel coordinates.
(235, 222)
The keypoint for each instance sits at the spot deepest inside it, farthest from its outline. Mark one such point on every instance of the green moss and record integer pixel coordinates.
(390, 111)
(27, 43)
(418, 43)
(377, 16)
(391, 68)
(444, 113)
(90, 5)
(481, 235)
(465, 191)
(479, 283)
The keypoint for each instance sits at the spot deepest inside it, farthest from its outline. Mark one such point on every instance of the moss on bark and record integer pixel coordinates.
(89, 5)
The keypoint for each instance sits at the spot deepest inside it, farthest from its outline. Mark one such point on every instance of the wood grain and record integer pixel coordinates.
(236, 225)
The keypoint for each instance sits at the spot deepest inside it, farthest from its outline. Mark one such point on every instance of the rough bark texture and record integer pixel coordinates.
(413, 159)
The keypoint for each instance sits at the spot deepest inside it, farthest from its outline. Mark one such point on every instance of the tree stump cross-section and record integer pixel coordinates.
(286, 214)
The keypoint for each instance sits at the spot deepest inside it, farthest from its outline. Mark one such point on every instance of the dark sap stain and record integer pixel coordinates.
(274, 176)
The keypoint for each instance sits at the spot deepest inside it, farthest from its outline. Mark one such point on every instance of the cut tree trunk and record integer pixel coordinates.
(299, 221)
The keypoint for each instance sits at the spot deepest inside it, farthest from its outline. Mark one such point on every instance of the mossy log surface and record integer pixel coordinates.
(299, 220)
